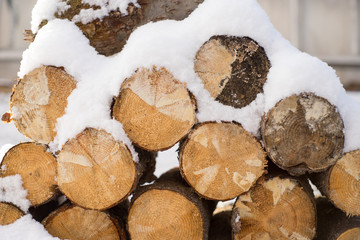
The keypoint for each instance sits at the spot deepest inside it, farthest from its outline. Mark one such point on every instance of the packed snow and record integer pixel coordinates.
(173, 45)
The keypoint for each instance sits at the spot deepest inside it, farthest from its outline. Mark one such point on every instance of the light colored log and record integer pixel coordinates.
(9, 213)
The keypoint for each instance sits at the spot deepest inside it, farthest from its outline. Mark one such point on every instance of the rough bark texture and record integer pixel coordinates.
(341, 183)
(146, 166)
(333, 224)
(220, 227)
(95, 171)
(232, 69)
(109, 35)
(73, 222)
(303, 133)
(278, 208)
(38, 100)
(9, 213)
(221, 160)
(37, 168)
(155, 109)
(168, 210)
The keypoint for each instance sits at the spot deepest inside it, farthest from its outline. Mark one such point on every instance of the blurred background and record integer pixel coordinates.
(328, 29)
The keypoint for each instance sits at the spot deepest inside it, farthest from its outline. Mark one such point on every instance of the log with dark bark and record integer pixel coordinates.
(38, 100)
(341, 183)
(155, 109)
(95, 171)
(168, 209)
(220, 226)
(74, 222)
(333, 224)
(281, 207)
(221, 160)
(109, 34)
(233, 69)
(303, 133)
(9, 213)
(37, 168)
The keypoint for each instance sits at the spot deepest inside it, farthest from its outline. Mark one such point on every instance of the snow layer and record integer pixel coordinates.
(46, 9)
(173, 44)
(25, 228)
(11, 191)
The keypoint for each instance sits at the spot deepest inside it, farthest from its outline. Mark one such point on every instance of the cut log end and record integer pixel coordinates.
(221, 160)
(350, 234)
(73, 222)
(163, 214)
(37, 168)
(233, 69)
(38, 100)
(344, 183)
(155, 109)
(95, 171)
(9, 213)
(279, 208)
(303, 133)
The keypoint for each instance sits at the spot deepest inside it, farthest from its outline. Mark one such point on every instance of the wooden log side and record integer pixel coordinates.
(38, 100)
(303, 133)
(221, 160)
(168, 209)
(74, 222)
(109, 34)
(95, 171)
(341, 183)
(334, 224)
(9, 213)
(155, 109)
(233, 69)
(37, 168)
(281, 207)
(220, 226)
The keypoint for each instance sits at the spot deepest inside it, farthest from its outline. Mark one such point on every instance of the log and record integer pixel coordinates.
(37, 168)
(333, 224)
(221, 160)
(233, 69)
(109, 34)
(38, 100)
(168, 209)
(281, 207)
(155, 109)
(9, 213)
(303, 133)
(220, 226)
(74, 222)
(341, 183)
(95, 171)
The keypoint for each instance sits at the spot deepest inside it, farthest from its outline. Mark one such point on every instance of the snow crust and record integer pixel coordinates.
(173, 45)
(46, 9)
(11, 191)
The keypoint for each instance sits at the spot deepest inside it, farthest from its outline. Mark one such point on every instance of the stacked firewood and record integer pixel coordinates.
(302, 137)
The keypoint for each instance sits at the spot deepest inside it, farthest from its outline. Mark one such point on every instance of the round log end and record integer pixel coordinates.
(165, 214)
(221, 160)
(344, 183)
(155, 109)
(233, 69)
(95, 171)
(73, 222)
(278, 208)
(38, 100)
(37, 168)
(303, 133)
(9, 213)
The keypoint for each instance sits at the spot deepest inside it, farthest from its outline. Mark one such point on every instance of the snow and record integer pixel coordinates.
(11, 190)
(173, 45)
